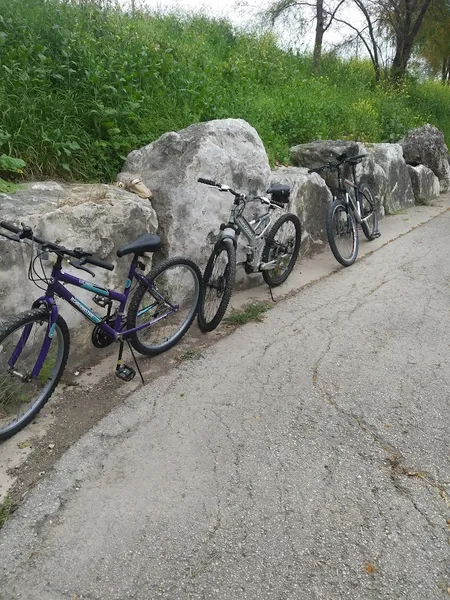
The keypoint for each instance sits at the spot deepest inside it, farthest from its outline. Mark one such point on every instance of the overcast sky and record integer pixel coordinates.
(239, 16)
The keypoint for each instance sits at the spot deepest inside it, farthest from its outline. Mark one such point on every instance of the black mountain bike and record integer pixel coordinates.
(349, 207)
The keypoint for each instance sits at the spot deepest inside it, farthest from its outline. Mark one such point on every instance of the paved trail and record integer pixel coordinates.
(306, 457)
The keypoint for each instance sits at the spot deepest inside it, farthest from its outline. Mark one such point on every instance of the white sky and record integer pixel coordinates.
(239, 16)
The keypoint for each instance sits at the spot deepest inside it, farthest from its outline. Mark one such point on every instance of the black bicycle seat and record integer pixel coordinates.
(147, 242)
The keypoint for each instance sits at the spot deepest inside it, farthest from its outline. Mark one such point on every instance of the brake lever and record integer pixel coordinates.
(78, 265)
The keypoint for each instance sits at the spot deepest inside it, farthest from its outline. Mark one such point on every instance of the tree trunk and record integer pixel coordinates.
(320, 28)
(406, 33)
(446, 70)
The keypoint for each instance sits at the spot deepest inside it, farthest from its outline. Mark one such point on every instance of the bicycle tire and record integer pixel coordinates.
(368, 203)
(271, 244)
(334, 213)
(10, 392)
(155, 278)
(223, 284)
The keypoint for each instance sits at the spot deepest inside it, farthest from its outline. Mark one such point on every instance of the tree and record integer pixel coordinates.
(403, 19)
(398, 22)
(317, 10)
(434, 40)
(367, 34)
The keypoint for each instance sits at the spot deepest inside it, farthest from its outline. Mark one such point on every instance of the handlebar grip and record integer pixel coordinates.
(206, 181)
(98, 262)
(10, 227)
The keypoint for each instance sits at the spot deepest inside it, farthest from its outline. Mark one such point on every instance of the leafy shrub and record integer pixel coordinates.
(83, 85)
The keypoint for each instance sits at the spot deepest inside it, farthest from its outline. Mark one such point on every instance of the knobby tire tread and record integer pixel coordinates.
(330, 234)
(10, 325)
(367, 232)
(138, 295)
(269, 240)
(204, 325)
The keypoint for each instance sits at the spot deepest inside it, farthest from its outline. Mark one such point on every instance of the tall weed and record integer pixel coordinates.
(83, 85)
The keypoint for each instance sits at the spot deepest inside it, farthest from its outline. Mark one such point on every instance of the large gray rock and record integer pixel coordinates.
(316, 154)
(309, 200)
(98, 218)
(384, 169)
(189, 214)
(370, 172)
(426, 185)
(426, 146)
(395, 189)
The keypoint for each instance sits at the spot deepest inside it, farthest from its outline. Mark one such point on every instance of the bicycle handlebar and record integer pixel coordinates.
(335, 166)
(220, 187)
(27, 233)
(207, 181)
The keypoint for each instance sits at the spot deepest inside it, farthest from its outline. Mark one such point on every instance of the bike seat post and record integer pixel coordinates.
(354, 172)
(340, 178)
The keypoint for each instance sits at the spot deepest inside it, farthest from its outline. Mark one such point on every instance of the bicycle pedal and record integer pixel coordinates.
(376, 234)
(125, 373)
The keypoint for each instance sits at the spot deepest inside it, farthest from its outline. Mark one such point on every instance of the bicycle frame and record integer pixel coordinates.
(55, 287)
(253, 232)
(354, 203)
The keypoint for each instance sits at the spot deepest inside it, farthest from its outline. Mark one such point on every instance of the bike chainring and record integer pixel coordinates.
(99, 338)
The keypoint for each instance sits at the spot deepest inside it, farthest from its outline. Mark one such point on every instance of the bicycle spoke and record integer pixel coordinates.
(21, 394)
(167, 306)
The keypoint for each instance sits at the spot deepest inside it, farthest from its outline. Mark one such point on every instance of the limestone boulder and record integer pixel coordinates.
(426, 146)
(370, 172)
(315, 154)
(228, 151)
(309, 200)
(426, 185)
(395, 187)
(97, 218)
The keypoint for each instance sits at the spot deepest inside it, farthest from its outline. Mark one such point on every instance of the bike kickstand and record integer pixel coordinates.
(271, 293)
(135, 362)
(125, 372)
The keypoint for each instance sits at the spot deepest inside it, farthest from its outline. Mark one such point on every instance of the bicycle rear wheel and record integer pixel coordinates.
(342, 233)
(23, 395)
(282, 247)
(171, 295)
(369, 213)
(218, 284)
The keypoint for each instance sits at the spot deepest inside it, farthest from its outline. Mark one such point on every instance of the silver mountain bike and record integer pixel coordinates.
(272, 250)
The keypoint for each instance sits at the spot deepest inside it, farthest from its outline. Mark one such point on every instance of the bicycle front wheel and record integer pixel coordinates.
(282, 248)
(168, 302)
(342, 233)
(218, 284)
(22, 394)
(369, 213)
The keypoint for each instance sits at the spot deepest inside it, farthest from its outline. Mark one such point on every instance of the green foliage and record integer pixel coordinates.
(251, 312)
(6, 508)
(82, 86)
(8, 166)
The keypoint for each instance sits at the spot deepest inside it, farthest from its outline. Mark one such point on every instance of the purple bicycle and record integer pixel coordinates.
(34, 345)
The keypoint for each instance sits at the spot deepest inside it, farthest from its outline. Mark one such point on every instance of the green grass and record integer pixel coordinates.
(250, 312)
(189, 354)
(6, 508)
(82, 86)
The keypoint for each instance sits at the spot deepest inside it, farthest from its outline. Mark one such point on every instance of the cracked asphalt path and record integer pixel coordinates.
(305, 457)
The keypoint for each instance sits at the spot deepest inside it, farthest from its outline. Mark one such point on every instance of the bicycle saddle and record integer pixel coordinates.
(280, 192)
(147, 242)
